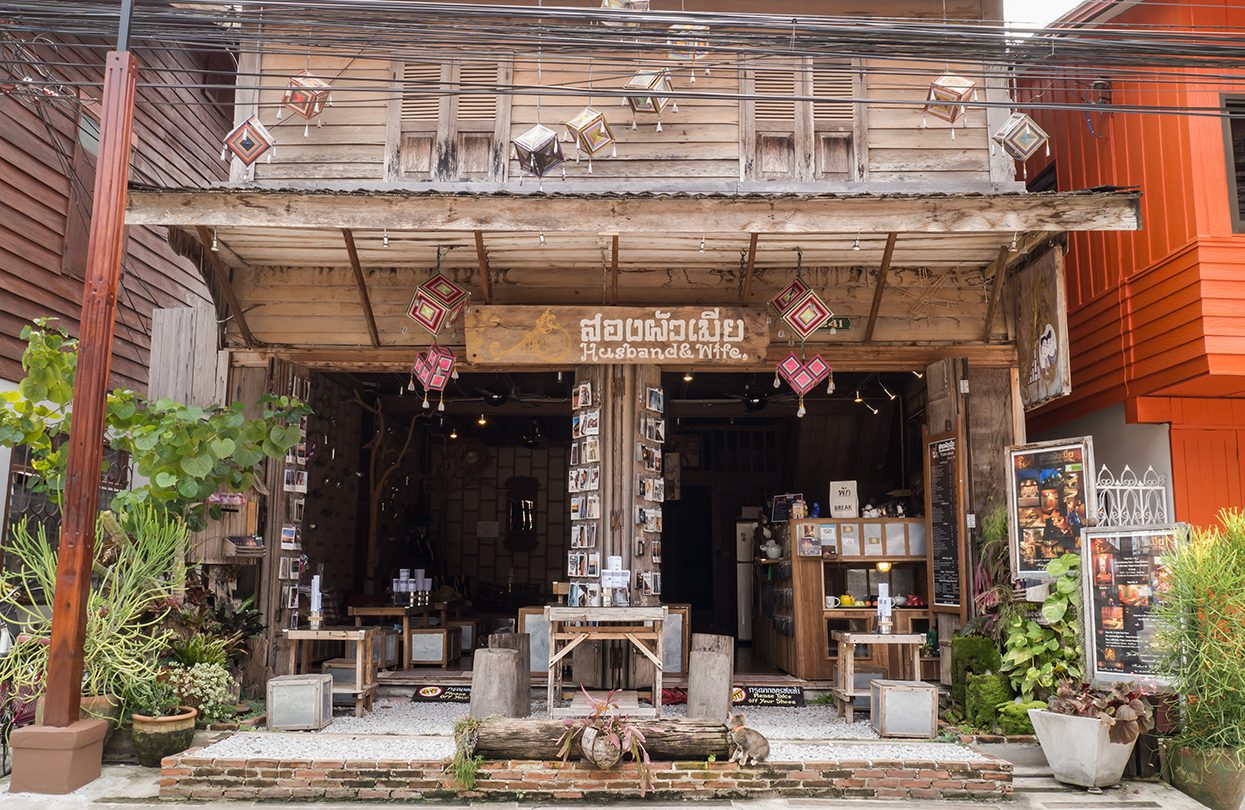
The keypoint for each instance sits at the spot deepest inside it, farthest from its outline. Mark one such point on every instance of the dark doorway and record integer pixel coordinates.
(687, 560)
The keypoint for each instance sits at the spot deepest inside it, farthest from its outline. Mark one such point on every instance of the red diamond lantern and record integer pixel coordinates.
(433, 369)
(788, 294)
(306, 95)
(807, 313)
(803, 376)
(248, 142)
(437, 303)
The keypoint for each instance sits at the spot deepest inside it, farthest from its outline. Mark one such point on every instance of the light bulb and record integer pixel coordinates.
(687, 375)
(886, 391)
(884, 566)
(453, 433)
(1014, 246)
(482, 421)
(541, 236)
(918, 375)
(858, 398)
(384, 239)
(856, 244)
(215, 245)
(870, 407)
(702, 244)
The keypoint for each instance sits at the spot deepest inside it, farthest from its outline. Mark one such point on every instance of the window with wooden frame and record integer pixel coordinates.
(454, 123)
(1234, 132)
(788, 137)
(79, 198)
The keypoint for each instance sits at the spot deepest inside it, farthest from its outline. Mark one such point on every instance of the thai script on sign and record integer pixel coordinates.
(661, 337)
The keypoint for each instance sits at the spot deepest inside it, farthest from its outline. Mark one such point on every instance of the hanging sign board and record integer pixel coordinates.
(944, 513)
(1123, 578)
(587, 335)
(1040, 306)
(1050, 492)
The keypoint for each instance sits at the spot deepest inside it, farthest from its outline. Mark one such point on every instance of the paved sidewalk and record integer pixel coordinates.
(129, 786)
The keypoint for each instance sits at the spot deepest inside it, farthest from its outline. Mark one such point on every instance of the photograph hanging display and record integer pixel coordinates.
(1051, 498)
(1123, 578)
(574, 454)
(591, 423)
(809, 540)
(655, 400)
(583, 395)
(592, 510)
(592, 450)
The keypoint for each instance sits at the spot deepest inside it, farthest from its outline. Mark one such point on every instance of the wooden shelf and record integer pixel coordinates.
(873, 560)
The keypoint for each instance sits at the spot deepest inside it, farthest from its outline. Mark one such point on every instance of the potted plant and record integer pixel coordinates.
(161, 726)
(1039, 655)
(1201, 636)
(604, 736)
(1088, 737)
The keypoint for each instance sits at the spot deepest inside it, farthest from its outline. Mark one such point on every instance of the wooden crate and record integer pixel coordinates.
(300, 702)
(904, 708)
(435, 645)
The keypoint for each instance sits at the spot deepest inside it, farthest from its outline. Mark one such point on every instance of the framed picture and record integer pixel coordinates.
(592, 450)
(1051, 499)
(300, 481)
(780, 506)
(809, 540)
(289, 538)
(288, 483)
(1122, 580)
(297, 510)
(656, 400)
(591, 423)
(583, 395)
(291, 596)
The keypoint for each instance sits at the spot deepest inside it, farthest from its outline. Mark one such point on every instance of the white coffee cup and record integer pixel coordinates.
(832, 602)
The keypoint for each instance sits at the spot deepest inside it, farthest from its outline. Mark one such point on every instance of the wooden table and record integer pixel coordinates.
(571, 626)
(363, 639)
(844, 690)
(403, 612)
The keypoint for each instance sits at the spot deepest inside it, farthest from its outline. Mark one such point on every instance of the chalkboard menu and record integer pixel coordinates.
(942, 483)
(1123, 579)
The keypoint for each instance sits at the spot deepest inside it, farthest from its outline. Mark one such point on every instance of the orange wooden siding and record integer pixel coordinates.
(1160, 311)
(1207, 472)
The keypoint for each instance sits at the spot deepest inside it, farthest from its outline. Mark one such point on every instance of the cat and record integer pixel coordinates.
(746, 744)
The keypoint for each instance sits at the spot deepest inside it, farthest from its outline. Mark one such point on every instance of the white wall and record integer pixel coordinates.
(1117, 443)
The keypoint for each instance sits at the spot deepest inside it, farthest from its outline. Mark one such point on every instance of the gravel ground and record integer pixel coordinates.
(795, 751)
(304, 745)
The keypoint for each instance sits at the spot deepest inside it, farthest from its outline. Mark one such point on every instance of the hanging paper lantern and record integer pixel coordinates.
(945, 92)
(624, 5)
(803, 376)
(591, 133)
(538, 151)
(248, 142)
(788, 294)
(306, 95)
(686, 43)
(433, 369)
(1021, 137)
(437, 303)
(807, 313)
(648, 92)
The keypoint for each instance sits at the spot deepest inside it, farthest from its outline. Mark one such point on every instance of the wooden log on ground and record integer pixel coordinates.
(493, 676)
(500, 738)
(522, 643)
(711, 676)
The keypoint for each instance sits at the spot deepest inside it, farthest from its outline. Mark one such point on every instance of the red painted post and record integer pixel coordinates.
(86, 440)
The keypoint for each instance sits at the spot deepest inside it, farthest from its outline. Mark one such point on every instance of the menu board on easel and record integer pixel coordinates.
(944, 510)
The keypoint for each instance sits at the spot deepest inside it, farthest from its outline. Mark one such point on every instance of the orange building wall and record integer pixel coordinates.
(1158, 312)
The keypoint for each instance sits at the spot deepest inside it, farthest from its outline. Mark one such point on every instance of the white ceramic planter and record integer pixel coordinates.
(1079, 750)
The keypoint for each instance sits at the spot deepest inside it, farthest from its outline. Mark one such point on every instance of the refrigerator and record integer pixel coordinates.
(745, 554)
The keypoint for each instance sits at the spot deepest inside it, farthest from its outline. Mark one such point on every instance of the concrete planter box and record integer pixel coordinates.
(1079, 750)
(1214, 777)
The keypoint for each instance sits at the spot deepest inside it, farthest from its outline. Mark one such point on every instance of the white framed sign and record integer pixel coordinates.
(844, 499)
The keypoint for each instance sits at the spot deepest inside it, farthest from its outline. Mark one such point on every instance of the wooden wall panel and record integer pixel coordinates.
(35, 162)
(1208, 468)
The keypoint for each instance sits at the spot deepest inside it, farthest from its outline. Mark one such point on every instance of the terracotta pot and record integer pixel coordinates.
(93, 707)
(157, 737)
(597, 750)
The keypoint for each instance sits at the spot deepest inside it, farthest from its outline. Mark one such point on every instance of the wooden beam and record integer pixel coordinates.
(880, 356)
(361, 283)
(226, 288)
(884, 270)
(746, 291)
(614, 269)
(97, 324)
(996, 289)
(568, 213)
(486, 280)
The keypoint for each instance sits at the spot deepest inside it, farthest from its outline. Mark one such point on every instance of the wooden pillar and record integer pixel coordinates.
(86, 442)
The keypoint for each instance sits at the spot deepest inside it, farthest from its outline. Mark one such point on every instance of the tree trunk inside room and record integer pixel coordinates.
(385, 455)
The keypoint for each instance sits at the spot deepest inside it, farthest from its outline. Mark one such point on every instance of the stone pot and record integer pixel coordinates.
(1079, 750)
(158, 737)
(597, 750)
(1213, 777)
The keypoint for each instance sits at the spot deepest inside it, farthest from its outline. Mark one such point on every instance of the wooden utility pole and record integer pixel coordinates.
(80, 501)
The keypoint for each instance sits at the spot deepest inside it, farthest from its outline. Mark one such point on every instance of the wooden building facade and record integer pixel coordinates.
(763, 170)
(1157, 316)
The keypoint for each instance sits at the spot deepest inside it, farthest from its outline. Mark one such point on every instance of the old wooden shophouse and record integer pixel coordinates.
(580, 295)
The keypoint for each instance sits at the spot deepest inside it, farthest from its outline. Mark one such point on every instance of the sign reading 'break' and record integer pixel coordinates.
(570, 335)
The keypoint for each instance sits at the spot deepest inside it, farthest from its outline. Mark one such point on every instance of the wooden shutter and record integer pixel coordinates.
(422, 102)
(775, 118)
(478, 146)
(834, 122)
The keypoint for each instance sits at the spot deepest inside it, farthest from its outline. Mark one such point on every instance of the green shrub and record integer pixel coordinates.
(200, 649)
(1202, 635)
(208, 688)
(976, 654)
(1014, 716)
(982, 695)
(1039, 657)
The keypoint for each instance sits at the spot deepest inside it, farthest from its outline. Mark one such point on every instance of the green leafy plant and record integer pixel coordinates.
(137, 571)
(1039, 656)
(200, 649)
(186, 453)
(207, 687)
(154, 697)
(992, 577)
(465, 764)
(1123, 708)
(616, 730)
(1201, 637)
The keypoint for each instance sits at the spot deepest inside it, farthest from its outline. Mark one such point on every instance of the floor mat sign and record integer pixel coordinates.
(788, 696)
(442, 694)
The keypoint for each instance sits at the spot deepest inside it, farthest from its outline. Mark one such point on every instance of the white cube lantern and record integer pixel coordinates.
(904, 708)
(300, 702)
(947, 96)
(538, 151)
(648, 91)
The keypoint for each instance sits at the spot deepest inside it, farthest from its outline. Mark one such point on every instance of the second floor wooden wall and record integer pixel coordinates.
(47, 173)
